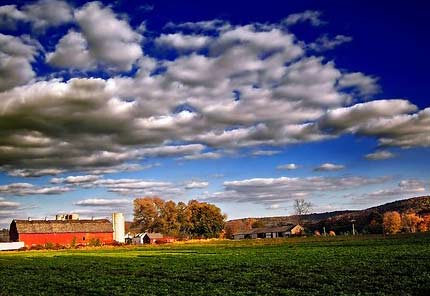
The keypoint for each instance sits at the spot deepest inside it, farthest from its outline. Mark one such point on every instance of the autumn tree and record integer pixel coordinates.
(233, 227)
(145, 213)
(197, 219)
(207, 221)
(424, 225)
(301, 208)
(169, 218)
(392, 222)
(410, 222)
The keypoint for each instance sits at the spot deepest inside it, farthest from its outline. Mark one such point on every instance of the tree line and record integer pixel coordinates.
(193, 220)
(394, 222)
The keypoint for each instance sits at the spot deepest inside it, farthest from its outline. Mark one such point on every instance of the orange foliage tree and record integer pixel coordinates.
(411, 221)
(392, 222)
(424, 225)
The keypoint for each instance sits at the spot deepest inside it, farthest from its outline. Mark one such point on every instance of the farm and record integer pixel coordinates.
(360, 265)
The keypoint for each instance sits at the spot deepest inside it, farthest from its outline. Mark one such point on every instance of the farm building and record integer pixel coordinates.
(270, 232)
(146, 238)
(63, 231)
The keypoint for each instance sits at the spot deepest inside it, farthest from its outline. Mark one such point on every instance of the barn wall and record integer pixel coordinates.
(30, 239)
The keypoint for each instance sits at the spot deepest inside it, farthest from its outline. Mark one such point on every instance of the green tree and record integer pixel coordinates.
(169, 218)
(207, 221)
(147, 213)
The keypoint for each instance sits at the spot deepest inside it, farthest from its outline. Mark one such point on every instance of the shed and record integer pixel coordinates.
(146, 238)
(63, 232)
(270, 232)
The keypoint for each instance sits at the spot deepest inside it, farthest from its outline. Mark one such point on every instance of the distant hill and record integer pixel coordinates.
(367, 220)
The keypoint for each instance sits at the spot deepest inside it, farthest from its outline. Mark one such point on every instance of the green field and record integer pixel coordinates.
(371, 265)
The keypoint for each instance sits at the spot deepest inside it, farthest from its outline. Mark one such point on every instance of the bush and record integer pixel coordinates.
(95, 242)
(73, 243)
(49, 246)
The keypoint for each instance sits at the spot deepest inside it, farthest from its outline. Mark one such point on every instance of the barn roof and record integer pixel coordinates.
(61, 226)
(285, 228)
(153, 235)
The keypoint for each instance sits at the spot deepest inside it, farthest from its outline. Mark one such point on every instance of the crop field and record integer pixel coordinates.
(369, 265)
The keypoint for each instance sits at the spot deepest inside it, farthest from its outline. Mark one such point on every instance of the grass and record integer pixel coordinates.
(369, 265)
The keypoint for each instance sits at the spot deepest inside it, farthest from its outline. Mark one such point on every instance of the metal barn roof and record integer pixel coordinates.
(59, 226)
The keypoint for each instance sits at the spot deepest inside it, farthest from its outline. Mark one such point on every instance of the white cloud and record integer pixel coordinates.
(405, 188)
(10, 15)
(324, 43)
(205, 155)
(111, 41)
(16, 56)
(277, 190)
(103, 202)
(46, 13)
(23, 189)
(265, 152)
(72, 52)
(380, 155)
(33, 172)
(311, 16)
(182, 42)
(326, 167)
(255, 87)
(76, 180)
(289, 166)
(364, 85)
(41, 14)
(196, 184)
(361, 116)
(7, 204)
(202, 26)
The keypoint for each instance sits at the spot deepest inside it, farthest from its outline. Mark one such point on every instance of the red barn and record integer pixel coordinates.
(63, 232)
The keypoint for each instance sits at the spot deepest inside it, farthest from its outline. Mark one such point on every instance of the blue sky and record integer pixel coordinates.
(245, 105)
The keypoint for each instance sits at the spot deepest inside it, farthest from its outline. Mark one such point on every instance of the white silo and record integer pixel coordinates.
(118, 227)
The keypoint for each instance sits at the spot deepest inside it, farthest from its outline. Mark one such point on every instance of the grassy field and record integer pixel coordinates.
(395, 265)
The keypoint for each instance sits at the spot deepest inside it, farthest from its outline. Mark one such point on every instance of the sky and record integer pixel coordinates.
(241, 104)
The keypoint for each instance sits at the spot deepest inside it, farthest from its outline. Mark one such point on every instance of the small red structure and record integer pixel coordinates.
(63, 232)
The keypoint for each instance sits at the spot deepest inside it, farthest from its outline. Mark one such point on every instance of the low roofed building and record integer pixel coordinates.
(63, 232)
(270, 232)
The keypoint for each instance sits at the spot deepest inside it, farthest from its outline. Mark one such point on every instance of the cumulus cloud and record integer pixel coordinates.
(111, 41)
(16, 56)
(196, 185)
(362, 116)
(324, 43)
(277, 190)
(311, 16)
(327, 167)
(22, 189)
(103, 202)
(72, 52)
(362, 84)
(46, 13)
(182, 42)
(380, 155)
(10, 16)
(253, 87)
(41, 14)
(289, 166)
